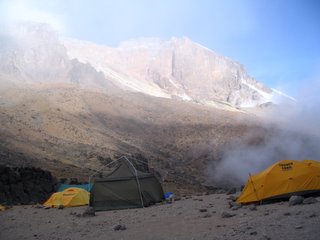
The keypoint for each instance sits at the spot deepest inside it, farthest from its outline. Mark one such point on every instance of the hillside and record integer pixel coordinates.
(70, 106)
(64, 124)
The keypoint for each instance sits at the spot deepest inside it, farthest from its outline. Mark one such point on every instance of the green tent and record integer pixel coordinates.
(125, 187)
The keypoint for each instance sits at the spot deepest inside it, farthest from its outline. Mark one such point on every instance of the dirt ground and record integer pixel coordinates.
(197, 217)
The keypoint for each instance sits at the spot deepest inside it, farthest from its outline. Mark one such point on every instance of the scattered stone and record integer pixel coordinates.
(294, 200)
(203, 210)
(310, 200)
(312, 215)
(119, 227)
(232, 198)
(298, 213)
(38, 206)
(227, 215)
(220, 191)
(265, 237)
(89, 212)
(220, 226)
(208, 215)
(253, 233)
(287, 214)
(60, 207)
(266, 213)
(177, 198)
(231, 191)
(253, 207)
(298, 227)
(46, 207)
(234, 204)
(235, 208)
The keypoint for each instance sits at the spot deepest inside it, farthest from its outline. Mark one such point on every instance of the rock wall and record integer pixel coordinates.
(25, 185)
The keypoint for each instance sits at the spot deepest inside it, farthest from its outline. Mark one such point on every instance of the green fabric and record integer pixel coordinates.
(120, 189)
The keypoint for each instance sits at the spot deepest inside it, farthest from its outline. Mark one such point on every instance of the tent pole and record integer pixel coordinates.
(255, 191)
(92, 175)
(138, 183)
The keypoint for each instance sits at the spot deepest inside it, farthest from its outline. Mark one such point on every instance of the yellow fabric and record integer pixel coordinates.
(283, 177)
(2, 208)
(70, 197)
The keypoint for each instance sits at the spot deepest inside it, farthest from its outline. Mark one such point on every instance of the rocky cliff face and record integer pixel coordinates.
(32, 53)
(178, 68)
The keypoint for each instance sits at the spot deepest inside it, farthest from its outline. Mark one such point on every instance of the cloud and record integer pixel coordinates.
(289, 131)
(30, 10)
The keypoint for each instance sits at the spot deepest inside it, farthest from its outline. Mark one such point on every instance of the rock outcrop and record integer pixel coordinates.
(178, 68)
(25, 185)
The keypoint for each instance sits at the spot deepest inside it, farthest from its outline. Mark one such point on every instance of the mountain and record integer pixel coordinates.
(32, 53)
(178, 68)
(70, 106)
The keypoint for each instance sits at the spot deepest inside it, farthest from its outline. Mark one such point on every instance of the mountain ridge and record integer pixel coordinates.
(171, 74)
(70, 116)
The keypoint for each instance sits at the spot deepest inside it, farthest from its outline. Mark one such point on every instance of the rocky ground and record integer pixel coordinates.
(196, 217)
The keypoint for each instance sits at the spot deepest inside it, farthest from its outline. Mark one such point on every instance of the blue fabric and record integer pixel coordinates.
(86, 187)
(167, 195)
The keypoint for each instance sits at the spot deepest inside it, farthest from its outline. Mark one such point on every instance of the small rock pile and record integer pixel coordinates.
(25, 185)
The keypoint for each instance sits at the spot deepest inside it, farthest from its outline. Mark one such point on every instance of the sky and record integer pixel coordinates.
(278, 41)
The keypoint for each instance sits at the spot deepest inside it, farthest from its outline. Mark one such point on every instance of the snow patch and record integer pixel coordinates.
(283, 94)
(267, 96)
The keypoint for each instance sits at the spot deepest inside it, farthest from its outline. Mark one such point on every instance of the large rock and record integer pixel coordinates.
(310, 200)
(294, 200)
(25, 185)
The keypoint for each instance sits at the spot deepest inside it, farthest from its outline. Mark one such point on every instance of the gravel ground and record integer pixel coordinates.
(197, 217)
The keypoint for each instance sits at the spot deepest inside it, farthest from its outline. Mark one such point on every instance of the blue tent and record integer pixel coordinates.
(86, 187)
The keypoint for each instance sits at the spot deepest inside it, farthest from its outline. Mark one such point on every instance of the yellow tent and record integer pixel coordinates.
(312, 162)
(282, 179)
(70, 197)
(2, 208)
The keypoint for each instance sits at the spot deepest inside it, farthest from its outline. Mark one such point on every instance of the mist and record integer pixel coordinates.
(287, 131)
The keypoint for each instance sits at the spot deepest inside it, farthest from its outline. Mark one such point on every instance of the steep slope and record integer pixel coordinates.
(65, 125)
(72, 115)
(178, 68)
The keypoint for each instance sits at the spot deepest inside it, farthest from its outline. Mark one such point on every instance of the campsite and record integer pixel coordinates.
(159, 120)
(131, 204)
(192, 217)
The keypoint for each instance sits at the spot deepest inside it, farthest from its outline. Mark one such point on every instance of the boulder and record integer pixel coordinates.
(89, 212)
(227, 215)
(295, 200)
(25, 185)
(119, 227)
(310, 200)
